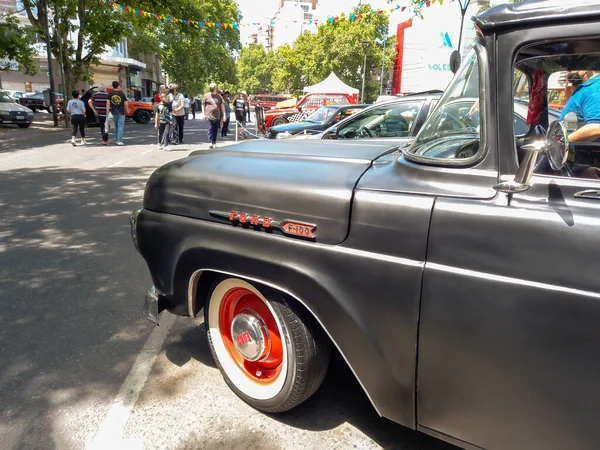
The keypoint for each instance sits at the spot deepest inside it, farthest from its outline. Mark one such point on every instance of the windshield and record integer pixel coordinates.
(452, 131)
(321, 115)
(5, 98)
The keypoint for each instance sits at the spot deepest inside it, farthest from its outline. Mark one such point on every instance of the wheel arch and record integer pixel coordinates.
(198, 291)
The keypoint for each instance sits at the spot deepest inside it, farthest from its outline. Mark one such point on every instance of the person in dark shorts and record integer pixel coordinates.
(76, 108)
(240, 104)
(163, 122)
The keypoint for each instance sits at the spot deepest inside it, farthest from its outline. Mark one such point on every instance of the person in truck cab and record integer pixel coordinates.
(585, 103)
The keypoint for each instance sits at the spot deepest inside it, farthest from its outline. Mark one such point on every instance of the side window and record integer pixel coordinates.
(387, 121)
(565, 86)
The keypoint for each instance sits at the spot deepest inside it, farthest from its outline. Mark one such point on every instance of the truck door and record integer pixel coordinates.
(509, 329)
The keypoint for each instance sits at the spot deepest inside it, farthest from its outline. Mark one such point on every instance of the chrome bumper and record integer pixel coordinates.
(151, 308)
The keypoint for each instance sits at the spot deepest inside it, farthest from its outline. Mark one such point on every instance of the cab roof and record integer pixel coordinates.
(536, 12)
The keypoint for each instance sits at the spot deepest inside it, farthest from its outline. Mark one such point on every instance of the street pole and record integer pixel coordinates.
(382, 66)
(464, 4)
(50, 74)
(362, 93)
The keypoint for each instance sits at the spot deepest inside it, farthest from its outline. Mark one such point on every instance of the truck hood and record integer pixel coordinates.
(303, 182)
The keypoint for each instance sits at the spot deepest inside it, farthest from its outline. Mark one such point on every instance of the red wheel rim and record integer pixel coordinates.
(269, 366)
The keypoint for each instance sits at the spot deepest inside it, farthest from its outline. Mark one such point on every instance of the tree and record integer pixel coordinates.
(191, 56)
(255, 69)
(16, 43)
(337, 46)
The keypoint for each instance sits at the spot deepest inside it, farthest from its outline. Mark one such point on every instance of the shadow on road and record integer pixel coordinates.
(339, 400)
(71, 286)
(14, 139)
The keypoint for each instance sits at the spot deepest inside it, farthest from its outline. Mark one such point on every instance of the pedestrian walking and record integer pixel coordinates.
(98, 104)
(214, 111)
(186, 106)
(76, 108)
(240, 106)
(117, 105)
(163, 122)
(193, 106)
(176, 100)
(227, 102)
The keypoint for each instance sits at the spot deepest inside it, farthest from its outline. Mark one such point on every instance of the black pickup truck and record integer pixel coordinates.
(455, 276)
(37, 102)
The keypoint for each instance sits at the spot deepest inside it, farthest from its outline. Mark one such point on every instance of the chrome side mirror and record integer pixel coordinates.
(556, 147)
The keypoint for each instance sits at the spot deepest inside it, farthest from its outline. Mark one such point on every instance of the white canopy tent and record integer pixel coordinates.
(330, 85)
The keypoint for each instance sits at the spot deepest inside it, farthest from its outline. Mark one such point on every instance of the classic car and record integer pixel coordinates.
(139, 111)
(13, 113)
(318, 121)
(299, 109)
(455, 276)
(37, 101)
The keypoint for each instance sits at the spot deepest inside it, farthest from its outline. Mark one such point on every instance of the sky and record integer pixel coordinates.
(252, 13)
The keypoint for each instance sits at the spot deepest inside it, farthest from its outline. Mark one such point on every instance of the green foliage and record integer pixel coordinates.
(191, 56)
(16, 43)
(337, 47)
(84, 29)
(255, 69)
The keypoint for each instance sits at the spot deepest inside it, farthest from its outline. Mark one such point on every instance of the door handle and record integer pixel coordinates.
(591, 194)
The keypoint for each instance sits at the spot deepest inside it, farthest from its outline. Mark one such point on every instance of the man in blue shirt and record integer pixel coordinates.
(585, 103)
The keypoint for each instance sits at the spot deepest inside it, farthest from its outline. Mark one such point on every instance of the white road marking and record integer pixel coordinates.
(110, 433)
(147, 151)
(116, 164)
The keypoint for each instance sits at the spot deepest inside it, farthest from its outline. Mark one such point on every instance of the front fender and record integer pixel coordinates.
(333, 282)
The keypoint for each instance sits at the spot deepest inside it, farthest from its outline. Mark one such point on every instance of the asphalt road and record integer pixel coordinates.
(79, 367)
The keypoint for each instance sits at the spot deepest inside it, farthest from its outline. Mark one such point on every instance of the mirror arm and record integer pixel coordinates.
(524, 173)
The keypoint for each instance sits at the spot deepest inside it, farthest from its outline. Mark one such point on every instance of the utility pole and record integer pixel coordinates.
(365, 45)
(50, 74)
(382, 65)
(464, 5)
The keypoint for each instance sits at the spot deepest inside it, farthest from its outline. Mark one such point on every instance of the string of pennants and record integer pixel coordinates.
(414, 9)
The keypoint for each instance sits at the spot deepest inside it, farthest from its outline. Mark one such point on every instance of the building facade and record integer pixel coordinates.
(137, 78)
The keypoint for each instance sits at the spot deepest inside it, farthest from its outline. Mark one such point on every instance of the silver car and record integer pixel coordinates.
(13, 113)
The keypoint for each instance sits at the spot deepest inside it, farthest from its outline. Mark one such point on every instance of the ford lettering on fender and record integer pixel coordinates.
(456, 276)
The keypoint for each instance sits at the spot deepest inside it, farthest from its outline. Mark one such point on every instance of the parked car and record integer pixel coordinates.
(301, 109)
(318, 121)
(37, 102)
(139, 111)
(15, 95)
(267, 101)
(399, 119)
(455, 276)
(14, 113)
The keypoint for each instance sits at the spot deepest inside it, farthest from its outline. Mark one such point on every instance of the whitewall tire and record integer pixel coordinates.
(270, 352)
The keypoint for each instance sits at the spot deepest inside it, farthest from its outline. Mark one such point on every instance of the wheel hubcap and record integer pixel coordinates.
(249, 334)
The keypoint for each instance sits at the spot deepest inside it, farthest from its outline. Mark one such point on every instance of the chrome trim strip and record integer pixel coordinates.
(194, 281)
(510, 280)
